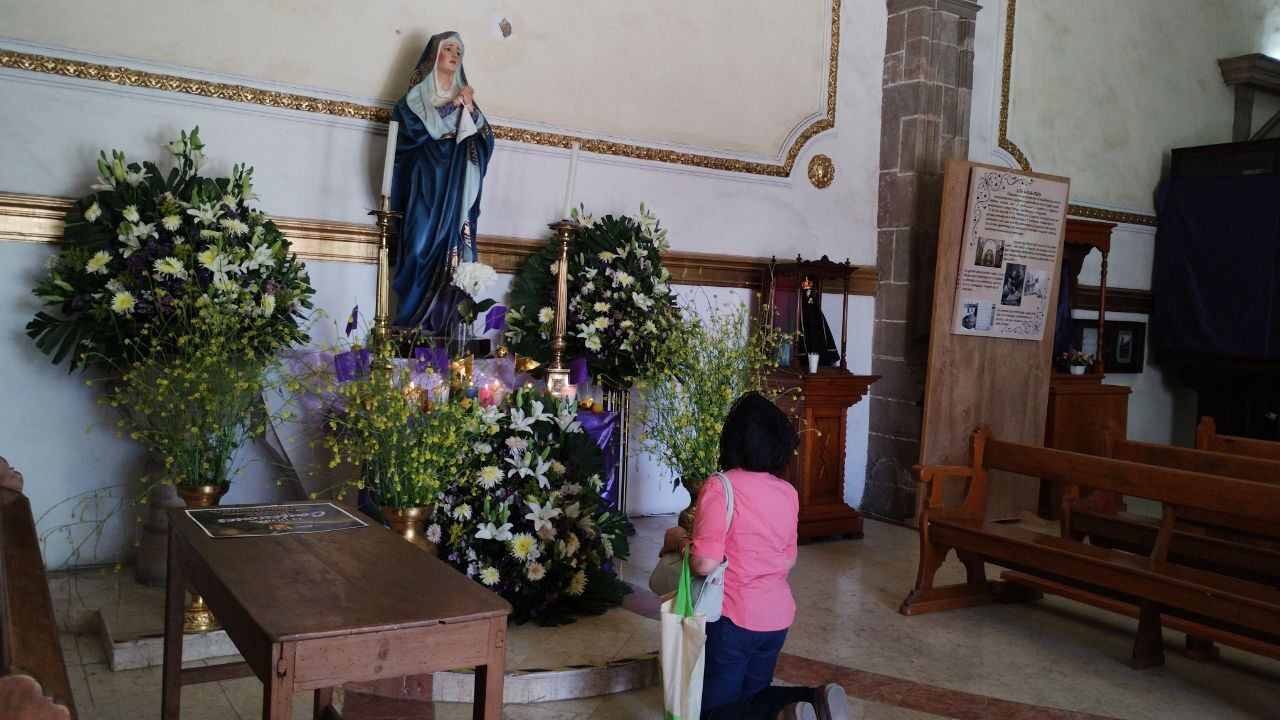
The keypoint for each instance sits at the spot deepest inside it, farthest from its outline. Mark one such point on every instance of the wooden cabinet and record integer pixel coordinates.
(1080, 409)
(819, 403)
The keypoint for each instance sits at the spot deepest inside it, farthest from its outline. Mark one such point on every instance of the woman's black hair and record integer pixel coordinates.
(757, 436)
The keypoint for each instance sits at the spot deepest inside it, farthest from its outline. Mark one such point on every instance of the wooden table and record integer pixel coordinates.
(313, 611)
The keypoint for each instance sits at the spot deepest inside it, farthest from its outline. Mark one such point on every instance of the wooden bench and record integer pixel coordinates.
(1160, 587)
(33, 675)
(1207, 438)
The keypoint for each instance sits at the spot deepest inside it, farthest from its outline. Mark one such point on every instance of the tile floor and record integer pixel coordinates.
(1050, 658)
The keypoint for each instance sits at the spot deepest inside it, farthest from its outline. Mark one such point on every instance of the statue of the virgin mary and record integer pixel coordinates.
(442, 153)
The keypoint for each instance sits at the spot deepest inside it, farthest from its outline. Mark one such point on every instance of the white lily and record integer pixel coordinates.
(542, 515)
(490, 531)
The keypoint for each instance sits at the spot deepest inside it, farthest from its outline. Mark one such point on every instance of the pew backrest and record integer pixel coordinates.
(1207, 438)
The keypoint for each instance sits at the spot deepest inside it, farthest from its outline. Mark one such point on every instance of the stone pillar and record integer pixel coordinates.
(928, 80)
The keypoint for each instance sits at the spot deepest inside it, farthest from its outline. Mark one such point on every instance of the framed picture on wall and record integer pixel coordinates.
(1124, 343)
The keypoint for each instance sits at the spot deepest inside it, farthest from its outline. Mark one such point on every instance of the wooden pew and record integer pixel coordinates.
(1207, 438)
(1241, 547)
(1156, 584)
(33, 675)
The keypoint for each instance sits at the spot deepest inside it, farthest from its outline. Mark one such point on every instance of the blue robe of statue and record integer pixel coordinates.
(436, 184)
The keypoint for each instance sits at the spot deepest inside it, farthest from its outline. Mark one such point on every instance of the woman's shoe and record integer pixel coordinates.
(831, 703)
(798, 711)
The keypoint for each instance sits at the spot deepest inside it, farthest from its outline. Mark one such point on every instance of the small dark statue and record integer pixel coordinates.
(815, 334)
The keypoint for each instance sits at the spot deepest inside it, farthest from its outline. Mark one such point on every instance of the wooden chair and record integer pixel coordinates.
(33, 676)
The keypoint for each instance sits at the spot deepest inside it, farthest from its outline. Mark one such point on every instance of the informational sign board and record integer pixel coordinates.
(1006, 279)
(997, 371)
(259, 520)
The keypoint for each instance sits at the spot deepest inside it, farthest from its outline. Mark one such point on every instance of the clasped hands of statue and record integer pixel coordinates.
(465, 98)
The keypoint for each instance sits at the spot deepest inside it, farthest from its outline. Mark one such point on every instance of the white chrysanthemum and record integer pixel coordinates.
(623, 279)
(535, 572)
(546, 315)
(93, 212)
(462, 512)
(601, 323)
(130, 213)
(97, 264)
(474, 278)
(170, 266)
(268, 306)
(557, 467)
(433, 533)
(489, 477)
(593, 343)
(601, 307)
(522, 545)
(607, 256)
(578, 584)
(489, 576)
(171, 222)
(122, 303)
(233, 227)
(482, 448)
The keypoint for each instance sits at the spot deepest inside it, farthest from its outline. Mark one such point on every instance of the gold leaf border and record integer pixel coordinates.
(245, 94)
(1002, 138)
(38, 219)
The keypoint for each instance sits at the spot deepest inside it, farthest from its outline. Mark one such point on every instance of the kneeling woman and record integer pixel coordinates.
(760, 545)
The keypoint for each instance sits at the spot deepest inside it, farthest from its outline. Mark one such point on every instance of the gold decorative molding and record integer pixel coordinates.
(1117, 216)
(821, 171)
(1006, 77)
(246, 94)
(36, 218)
(1002, 136)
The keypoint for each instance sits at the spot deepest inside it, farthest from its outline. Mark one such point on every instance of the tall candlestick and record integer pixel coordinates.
(573, 173)
(389, 162)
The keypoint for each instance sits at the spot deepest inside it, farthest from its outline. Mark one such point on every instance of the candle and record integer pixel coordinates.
(570, 392)
(568, 190)
(389, 161)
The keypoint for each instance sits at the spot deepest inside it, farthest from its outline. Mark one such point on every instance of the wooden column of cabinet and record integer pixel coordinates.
(1081, 407)
(819, 404)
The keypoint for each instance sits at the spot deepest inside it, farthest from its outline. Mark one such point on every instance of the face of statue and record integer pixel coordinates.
(449, 57)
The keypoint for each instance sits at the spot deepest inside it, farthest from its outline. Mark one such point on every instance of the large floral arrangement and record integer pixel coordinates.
(620, 299)
(527, 520)
(697, 373)
(407, 448)
(145, 241)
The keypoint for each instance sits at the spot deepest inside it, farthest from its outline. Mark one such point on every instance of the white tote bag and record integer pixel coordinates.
(683, 653)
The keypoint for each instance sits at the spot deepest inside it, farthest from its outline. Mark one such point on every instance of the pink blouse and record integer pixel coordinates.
(760, 545)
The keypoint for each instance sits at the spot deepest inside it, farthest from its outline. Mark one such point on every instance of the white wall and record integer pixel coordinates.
(322, 167)
(1101, 91)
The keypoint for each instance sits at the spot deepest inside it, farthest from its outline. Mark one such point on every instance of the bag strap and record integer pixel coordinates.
(683, 605)
(728, 500)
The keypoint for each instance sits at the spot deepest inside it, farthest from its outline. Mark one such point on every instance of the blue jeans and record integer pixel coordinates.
(739, 670)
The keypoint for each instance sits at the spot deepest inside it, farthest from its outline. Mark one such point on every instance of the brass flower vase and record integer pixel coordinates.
(196, 616)
(694, 486)
(408, 524)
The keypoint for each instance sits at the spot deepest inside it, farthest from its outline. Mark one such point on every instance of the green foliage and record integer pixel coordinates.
(190, 386)
(698, 370)
(407, 447)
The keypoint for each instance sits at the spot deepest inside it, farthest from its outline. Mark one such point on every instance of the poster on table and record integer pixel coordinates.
(260, 520)
(1007, 286)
